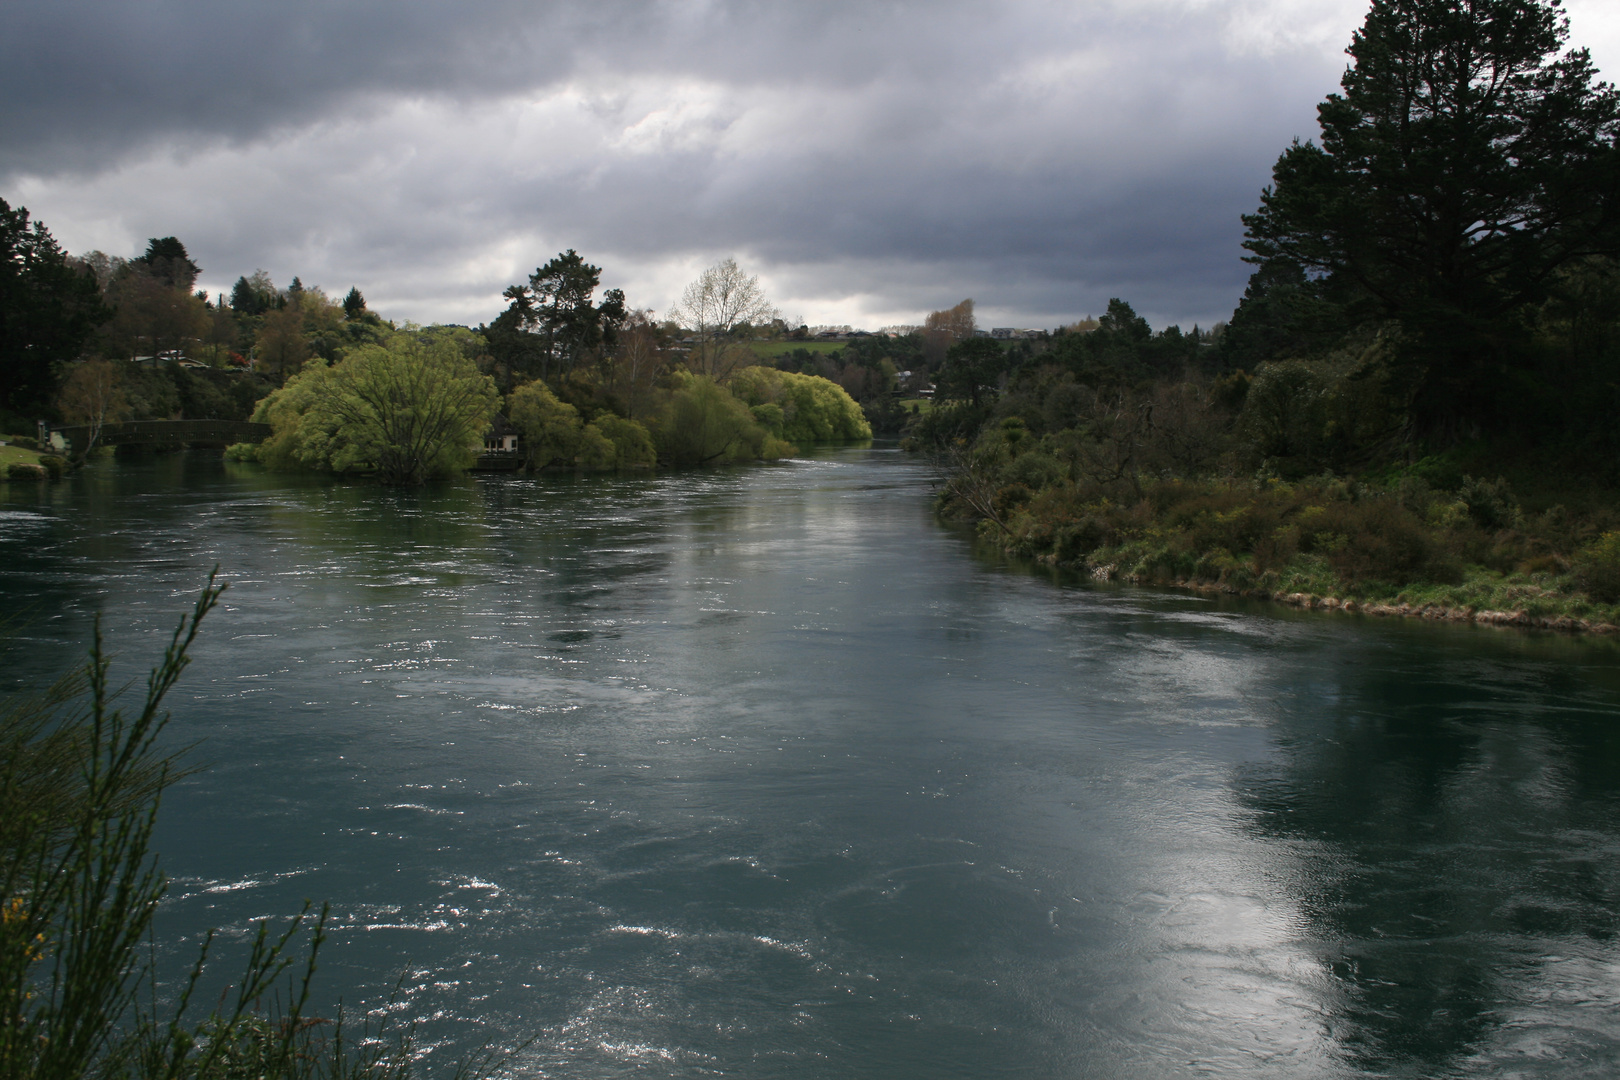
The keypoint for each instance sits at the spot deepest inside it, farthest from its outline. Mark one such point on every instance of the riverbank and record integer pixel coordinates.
(1409, 550)
(1521, 618)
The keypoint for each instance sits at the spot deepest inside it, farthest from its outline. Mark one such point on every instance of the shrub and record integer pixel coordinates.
(55, 465)
(1597, 568)
(1285, 411)
(24, 470)
(594, 450)
(1010, 498)
(1035, 470)
(551, 427)
(80, 781)
(413, 408)
(701, 423)
(1490, 504)
(632, 443)
(1381, 542)
(945, 425)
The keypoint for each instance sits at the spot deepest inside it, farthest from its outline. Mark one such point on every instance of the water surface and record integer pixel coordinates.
(763, 773)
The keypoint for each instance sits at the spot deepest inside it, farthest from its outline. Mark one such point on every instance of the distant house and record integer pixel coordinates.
(168, 357)
(502, 437)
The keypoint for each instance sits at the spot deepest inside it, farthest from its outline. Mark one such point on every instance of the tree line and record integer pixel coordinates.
(586, 380)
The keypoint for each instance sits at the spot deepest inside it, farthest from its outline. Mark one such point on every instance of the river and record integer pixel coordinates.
(764, 773)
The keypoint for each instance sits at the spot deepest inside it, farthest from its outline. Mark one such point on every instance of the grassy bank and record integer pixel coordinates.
(1404, 548)
(16, 455)
(770, 350)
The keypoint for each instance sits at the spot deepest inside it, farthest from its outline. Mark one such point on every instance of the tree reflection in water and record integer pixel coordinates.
(1468, 873)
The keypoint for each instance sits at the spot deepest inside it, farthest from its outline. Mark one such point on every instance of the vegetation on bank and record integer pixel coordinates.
(80, 781)
(406, 410)
(1412, 407)
(590, 382)
(1469, 552)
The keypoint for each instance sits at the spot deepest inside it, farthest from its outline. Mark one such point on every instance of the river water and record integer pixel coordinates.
(765, 773)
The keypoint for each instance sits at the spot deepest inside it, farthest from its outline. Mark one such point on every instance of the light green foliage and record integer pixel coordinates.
(555, 435)
(407, 410)
(632, 443)
(770, 414)
(808, 408)
(551, 428)
(596, 451)
(286, 411)
(702, 423)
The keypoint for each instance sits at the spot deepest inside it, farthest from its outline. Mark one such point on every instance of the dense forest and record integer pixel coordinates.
(1413, 404)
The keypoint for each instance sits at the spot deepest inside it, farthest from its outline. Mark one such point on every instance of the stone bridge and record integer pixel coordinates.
(169, 433)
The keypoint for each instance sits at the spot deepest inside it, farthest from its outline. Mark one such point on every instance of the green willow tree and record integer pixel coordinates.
(405, 411)
(554, 434)
(1467, 161)
(800, 408)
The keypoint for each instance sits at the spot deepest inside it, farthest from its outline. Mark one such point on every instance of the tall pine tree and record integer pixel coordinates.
(48, 308)
(1466, 162)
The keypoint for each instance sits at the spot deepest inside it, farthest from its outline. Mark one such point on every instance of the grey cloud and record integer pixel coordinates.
(87, 79)
(1039, 156)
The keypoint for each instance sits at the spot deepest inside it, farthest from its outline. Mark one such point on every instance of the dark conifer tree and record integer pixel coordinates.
(1465, 163)
(48, 309)
(166, 261)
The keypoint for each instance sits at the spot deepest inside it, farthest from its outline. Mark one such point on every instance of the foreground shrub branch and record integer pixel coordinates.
(80, 782)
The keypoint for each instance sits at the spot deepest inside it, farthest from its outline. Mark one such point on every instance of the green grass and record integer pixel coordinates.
(770, 350)
(11, 455)
(924, 406)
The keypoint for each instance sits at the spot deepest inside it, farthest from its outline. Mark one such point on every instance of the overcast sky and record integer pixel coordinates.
(870, 160)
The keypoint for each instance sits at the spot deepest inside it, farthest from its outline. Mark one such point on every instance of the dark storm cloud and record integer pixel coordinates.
(86, 79)
(874, 158)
